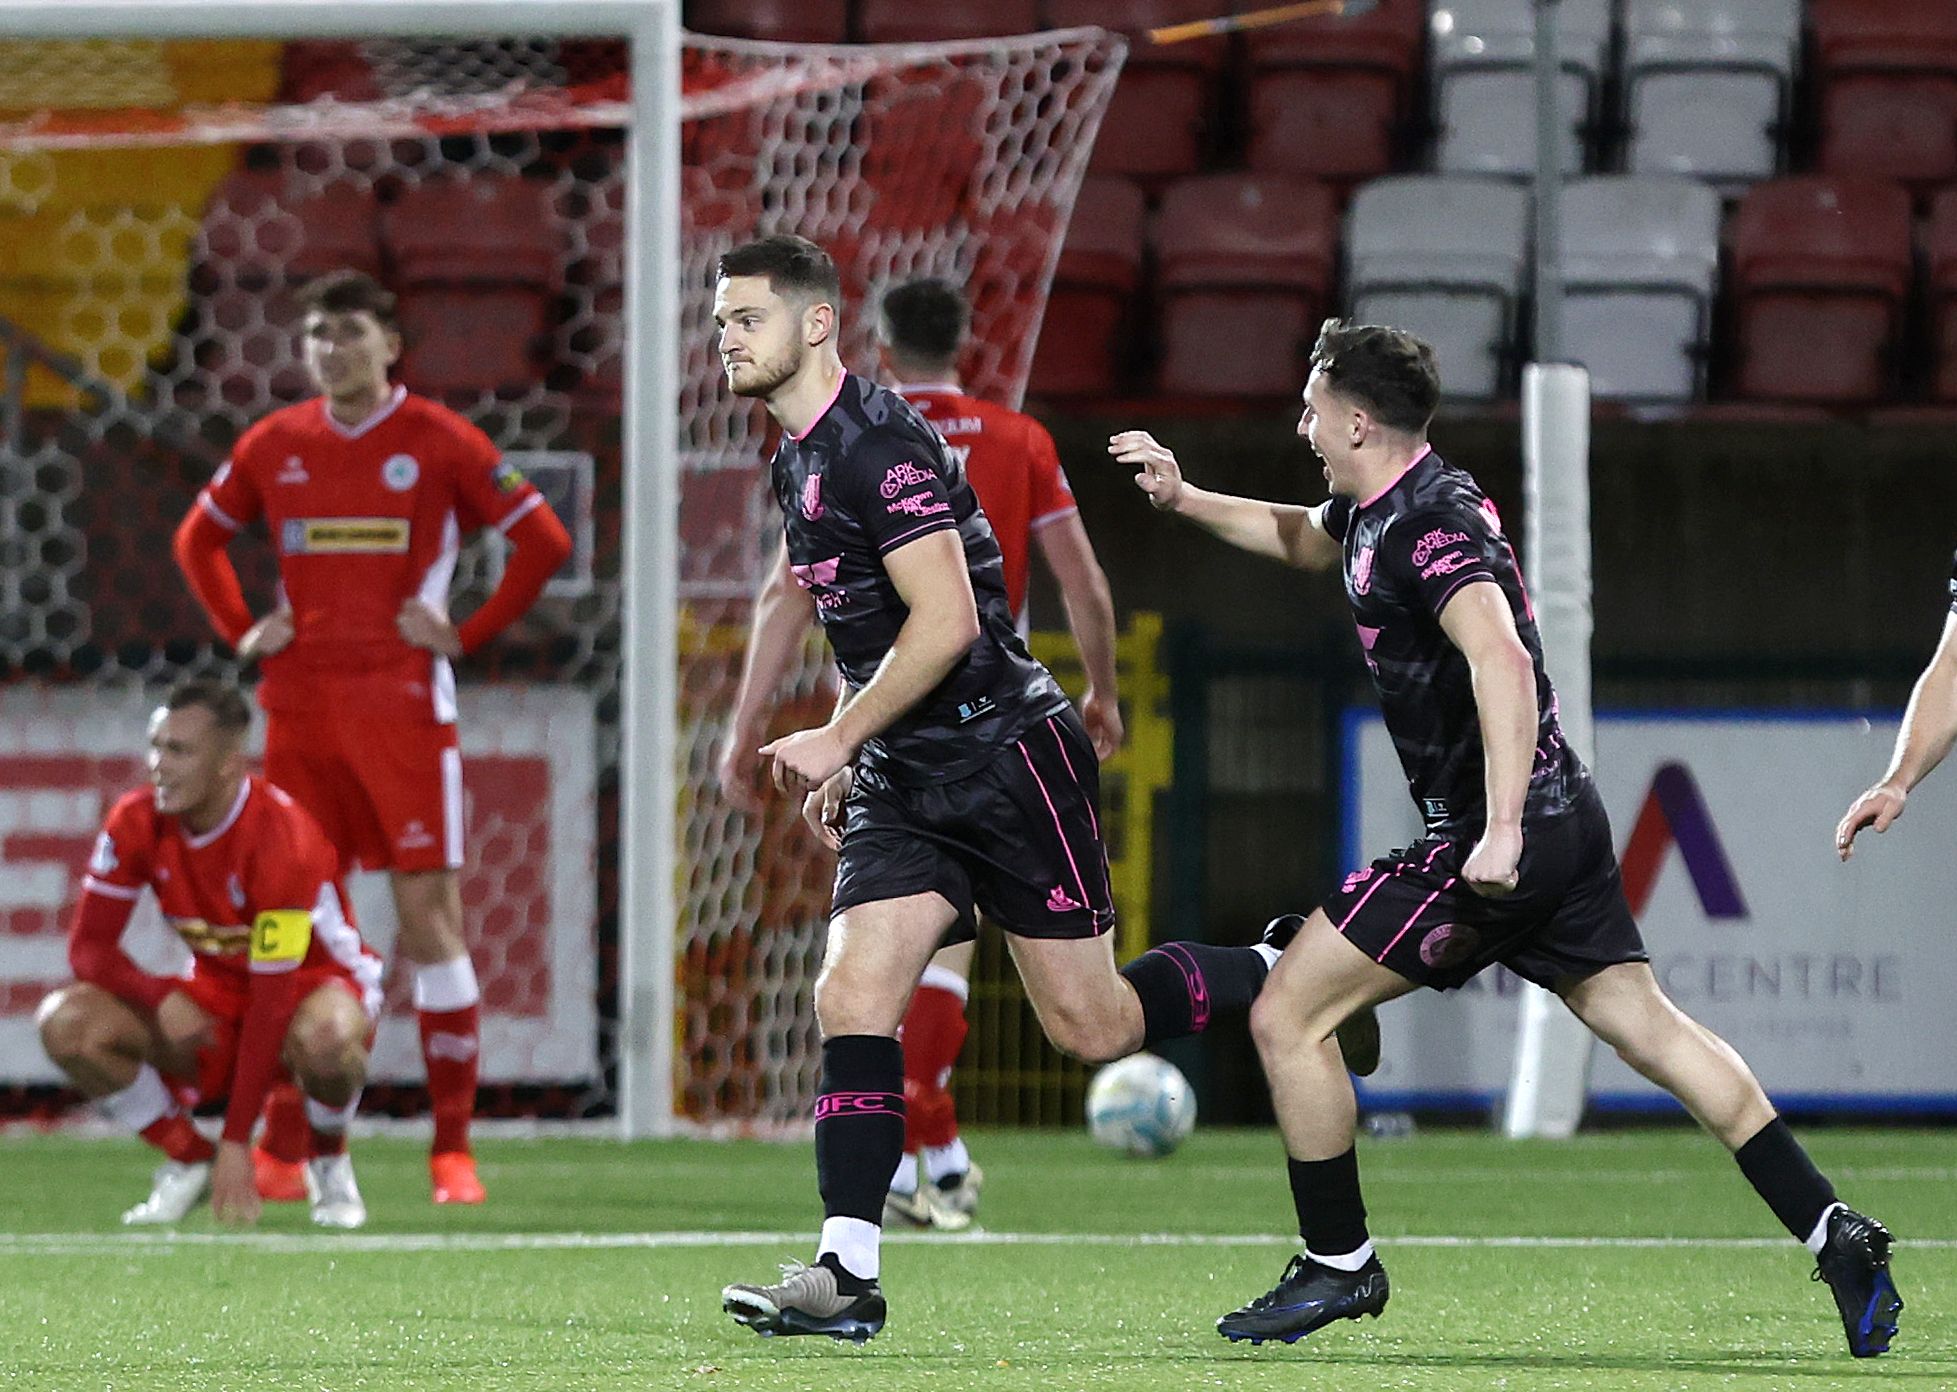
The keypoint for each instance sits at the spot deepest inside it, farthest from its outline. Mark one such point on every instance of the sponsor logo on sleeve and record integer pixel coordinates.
(507, 478)
(400, 472)
(1447, 564)
(920, 505)
(905, 475)
(1436, 540)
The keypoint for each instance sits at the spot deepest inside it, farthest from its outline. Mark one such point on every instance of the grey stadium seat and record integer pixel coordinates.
(1640, 265)
(1481, 56)
(1706, 85)
(1444, 257)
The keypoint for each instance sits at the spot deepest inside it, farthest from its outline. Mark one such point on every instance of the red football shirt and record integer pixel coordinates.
(363, 518)
(1011, 464)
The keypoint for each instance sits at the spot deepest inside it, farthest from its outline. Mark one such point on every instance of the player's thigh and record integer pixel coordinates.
(1073, 985)
(329, 1030)
(304, 759)
(1321, 977)
(81, 1021)
(956, 959)
(411, 773)
(875, 954)
(1623, 1005)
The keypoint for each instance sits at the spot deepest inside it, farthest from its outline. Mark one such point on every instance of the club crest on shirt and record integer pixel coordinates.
(1362, 571)
(812, 497)
(400, 472)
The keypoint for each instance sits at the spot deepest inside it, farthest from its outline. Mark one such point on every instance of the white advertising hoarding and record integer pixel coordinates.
(1834, 981)
(528, 881)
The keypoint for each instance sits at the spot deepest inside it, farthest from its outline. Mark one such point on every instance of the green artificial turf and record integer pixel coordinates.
(598, 1266)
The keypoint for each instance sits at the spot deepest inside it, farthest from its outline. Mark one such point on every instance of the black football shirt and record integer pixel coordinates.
(1408, 551)
(870, 476)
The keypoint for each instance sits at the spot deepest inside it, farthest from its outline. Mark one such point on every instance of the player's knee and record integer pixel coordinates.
(1079, 1030)
(1276, 1025)
(329, 1047)
(70, 1031)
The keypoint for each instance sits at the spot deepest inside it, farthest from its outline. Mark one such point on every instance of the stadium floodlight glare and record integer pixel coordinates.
(650, 609)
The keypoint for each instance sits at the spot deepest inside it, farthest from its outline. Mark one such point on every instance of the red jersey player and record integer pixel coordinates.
(279, 977)
(366, 492)
(1012, 466)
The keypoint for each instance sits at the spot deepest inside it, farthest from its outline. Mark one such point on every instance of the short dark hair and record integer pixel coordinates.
(1388, 371)
(925, 320)
(349, 291)
(795, 266)
(227, 704)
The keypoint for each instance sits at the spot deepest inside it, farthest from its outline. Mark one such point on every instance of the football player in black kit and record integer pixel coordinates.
(954, 775)
(1516, 865)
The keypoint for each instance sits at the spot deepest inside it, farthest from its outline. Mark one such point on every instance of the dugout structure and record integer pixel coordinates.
(547, 187)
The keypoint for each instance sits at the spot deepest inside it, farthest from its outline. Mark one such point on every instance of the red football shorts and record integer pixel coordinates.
(222, 996)
(387, 792)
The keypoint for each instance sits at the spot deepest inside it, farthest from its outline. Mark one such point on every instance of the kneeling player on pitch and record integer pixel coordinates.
(280, 980)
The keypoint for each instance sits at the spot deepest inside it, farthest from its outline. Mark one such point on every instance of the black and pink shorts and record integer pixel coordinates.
(1018, 839)
(1566, 919)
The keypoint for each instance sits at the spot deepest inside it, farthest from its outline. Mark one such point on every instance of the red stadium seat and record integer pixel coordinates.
(262, 232)
(1164, 103)
(1245, 264)
(473, 231)
(907, 21)
(315, 68)
(1327, 93)
(779, 21)
(474, 338)
(1100, 267)
(1940, 252)
(1888, 76)
(1821, 267)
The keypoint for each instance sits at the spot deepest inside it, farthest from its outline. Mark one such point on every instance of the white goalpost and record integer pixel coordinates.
(648, 617)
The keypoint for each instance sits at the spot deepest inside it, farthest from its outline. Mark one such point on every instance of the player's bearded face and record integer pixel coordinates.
(761, 345)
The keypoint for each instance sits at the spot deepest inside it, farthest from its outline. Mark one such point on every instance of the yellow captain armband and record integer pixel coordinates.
(280, 937)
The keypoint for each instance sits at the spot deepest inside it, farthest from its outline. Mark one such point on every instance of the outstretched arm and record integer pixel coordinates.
(1929, 729)
(782, 614)
(1284, 532)
(1090, 616)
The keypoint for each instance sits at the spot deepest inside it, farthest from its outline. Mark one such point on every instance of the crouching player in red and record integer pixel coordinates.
(280, 981)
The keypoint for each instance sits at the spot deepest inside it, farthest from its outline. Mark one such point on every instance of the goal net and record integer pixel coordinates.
(161, 201)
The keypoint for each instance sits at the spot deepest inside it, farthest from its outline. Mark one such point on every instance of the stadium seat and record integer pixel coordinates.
(263, 233)
(1079, 352)
(907, 21)
(1640, 262)
(1482, 64)
(778, 21)
(1706, 85)
(476, 263)
(1940, 256)
(315, 68)
(1327, 94)
(1163, 103)
(1820, 270)
(1442, 256)
(1245, 264)
(1888, 81)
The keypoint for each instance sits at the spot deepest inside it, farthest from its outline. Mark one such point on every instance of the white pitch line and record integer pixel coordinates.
(127, 1244)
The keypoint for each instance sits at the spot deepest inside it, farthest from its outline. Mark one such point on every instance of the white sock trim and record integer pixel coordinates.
(1345, 1261)
(1267, 952)
(854, 1243)
(943, 1160)
(324, 1118)
(945, 979)
(446, 985)
(1818, 1239)
(904, 1181)
(142, 1104)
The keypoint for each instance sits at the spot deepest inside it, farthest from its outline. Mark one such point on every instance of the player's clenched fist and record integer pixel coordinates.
(807, 758)
(1878, 807)
(1493, 867)
(1160, 476)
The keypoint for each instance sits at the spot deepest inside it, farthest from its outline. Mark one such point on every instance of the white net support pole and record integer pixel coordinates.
(649, 543)
(1552, 1051)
